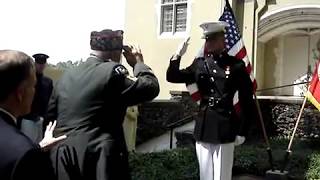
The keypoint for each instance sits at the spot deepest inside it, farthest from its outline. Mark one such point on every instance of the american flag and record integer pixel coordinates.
(234, 46)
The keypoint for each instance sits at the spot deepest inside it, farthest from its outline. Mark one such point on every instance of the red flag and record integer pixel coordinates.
(234, 46)
(313, 93)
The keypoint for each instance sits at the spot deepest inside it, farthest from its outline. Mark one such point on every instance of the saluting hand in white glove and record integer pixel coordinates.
(182, 48)
(239, 140)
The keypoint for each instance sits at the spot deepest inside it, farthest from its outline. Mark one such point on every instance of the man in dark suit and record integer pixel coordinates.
(34, 123)
(218, 76)
(20, 157)
(89, 103)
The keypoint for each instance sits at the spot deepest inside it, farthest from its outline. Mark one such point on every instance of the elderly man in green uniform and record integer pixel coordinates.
(33, 124)
(90, 102)
(218, 76)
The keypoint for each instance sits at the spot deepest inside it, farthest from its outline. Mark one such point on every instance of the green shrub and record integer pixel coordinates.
(178, 164)
(253, 158)
(250, 158)
(314, 167)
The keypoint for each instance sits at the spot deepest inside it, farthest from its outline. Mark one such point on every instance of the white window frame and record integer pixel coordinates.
(173, 34)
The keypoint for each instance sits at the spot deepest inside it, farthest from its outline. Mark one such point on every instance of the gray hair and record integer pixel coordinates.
(15, 67)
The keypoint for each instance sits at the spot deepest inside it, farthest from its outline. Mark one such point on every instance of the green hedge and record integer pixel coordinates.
(250, 158)
(178, 164)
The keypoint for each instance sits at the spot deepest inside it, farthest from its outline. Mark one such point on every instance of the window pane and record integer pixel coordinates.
(181, 18)
(167, 17)
(166, 1)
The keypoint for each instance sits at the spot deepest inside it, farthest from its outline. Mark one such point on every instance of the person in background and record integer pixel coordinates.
(33, 124)
(21, 158)
(130, 127)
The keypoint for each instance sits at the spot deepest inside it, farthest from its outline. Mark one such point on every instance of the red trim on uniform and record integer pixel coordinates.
(237, 108)
(196, 96)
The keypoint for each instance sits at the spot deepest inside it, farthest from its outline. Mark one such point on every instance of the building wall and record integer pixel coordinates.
(275, 5)
(286, 59)
(286, 56)
(141, 27)
(313, 52)
(295, 60)
(259, 75)
(270, 60)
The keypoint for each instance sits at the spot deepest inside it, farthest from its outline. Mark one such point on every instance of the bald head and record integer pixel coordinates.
(15, 68)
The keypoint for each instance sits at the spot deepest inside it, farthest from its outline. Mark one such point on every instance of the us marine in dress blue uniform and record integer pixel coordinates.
(218, 127)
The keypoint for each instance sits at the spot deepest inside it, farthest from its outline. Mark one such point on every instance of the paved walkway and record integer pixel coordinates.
(163, 142)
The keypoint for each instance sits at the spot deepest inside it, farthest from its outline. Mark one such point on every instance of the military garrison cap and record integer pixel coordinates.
(106, 40)
(210, 28)
(40, 58)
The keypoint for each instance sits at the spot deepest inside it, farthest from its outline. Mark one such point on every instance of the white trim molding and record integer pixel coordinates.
(287, 19)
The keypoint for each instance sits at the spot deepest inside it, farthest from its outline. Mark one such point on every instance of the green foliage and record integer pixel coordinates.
(179, 164)
(253, 158)
(314, 167)
(250, 158)
(66, 65)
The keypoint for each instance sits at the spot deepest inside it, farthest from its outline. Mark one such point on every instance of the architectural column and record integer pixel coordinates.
(280, 64)
(258, 47)
(248, 26)
(259, 66)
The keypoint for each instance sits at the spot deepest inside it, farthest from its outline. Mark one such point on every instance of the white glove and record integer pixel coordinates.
(182, 48)
(49, 141)
(239, 140)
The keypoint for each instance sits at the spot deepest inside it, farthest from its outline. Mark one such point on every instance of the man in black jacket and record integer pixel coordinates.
(89, 103)
(20, 158)
(218, 78)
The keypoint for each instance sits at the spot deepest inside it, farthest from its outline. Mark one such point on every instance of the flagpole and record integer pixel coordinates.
(264, 132)
(288, 152)
(259, 110)
(266, 138)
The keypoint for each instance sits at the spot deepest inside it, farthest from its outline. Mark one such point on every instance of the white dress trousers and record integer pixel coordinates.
(215, 160)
